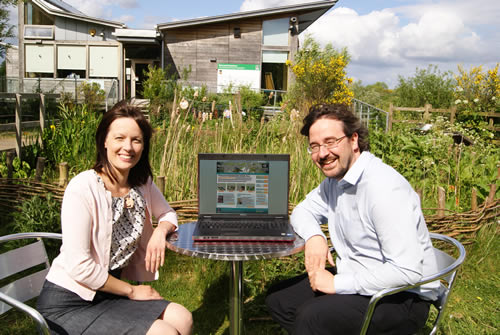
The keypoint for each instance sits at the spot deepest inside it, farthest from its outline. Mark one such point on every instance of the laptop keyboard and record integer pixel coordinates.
(244, 224)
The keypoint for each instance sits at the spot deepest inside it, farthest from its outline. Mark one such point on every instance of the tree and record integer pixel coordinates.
(6, 29)
(477, 91)
(320, 76)
(428, 86)
(378, 94)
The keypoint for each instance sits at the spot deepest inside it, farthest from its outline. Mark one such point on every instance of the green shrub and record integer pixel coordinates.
(93, 95)
(73, 139)
(38, 214)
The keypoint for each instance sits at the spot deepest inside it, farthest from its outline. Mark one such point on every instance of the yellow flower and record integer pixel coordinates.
(52, 127)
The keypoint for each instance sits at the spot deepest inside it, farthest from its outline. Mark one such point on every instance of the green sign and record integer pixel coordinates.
(226, 66)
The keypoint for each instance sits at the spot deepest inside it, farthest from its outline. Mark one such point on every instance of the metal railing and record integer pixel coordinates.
(370, 116)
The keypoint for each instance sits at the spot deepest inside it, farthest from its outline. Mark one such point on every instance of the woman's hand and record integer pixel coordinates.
(144, 292)
(155, 252)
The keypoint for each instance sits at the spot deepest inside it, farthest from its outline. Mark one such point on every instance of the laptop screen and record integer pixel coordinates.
(243, 184)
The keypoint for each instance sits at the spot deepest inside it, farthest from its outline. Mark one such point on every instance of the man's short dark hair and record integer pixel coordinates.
(340, 112)
(140, 173)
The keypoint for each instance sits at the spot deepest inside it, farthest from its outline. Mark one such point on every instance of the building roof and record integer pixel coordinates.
(62, 9)
(306, 14)
(136, 35)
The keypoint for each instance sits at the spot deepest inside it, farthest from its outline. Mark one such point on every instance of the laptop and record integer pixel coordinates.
(243, 197)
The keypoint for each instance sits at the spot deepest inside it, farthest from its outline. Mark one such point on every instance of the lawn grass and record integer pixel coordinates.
(203, 287)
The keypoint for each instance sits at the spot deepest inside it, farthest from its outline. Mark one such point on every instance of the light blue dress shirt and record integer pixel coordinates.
(376, 226)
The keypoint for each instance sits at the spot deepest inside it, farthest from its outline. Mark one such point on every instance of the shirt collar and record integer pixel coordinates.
(354, 173)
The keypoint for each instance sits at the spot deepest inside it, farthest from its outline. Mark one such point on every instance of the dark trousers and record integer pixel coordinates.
(301, 311)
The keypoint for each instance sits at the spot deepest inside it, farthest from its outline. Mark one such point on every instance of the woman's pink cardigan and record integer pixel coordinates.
(86, 218)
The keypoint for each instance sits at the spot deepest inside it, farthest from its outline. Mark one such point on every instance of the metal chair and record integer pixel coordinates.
(28, 286)
(447, 267)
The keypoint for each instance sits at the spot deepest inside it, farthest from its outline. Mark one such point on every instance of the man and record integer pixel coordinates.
(377, 228)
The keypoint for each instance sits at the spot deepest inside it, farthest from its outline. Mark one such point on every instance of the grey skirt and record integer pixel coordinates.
(67, 313)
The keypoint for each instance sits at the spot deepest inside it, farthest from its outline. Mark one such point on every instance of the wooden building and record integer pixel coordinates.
(59, 47)
(245, 48)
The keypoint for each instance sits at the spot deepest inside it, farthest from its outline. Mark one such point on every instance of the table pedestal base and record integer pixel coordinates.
(235, 298)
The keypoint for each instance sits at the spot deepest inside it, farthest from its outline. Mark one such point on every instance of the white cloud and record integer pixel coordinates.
(125, 19)
(369, 38)
(249, 5)
(101, 8)
(388, 43)
(477, 12)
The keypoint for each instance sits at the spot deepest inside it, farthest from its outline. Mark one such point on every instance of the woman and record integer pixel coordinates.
(107, 231)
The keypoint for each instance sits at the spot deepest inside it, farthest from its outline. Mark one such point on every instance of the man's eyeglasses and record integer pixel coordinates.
(331, 143)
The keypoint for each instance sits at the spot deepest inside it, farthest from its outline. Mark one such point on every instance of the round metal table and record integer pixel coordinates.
(236, 252)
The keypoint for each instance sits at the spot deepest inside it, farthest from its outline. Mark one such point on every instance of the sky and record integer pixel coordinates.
(385, 38)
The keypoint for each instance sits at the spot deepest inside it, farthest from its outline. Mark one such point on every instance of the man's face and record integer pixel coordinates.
(334, 162)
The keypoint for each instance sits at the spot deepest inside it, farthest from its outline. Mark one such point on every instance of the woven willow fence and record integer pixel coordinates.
(463, 226)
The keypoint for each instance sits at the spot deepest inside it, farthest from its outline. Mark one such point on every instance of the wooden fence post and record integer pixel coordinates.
(453, 113)
(40, 165)
(391, 113)
(491, 195)
(19, 131)
(441, 202)
(42, 112)
(473, 200)
(419, 192)
(10, 160)
(63, 174)
(427, 112)
(160, 182)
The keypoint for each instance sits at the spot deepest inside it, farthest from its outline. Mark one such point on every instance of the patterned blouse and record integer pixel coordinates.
(129, 215)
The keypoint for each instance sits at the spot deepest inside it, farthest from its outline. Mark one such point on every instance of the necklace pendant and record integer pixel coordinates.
(129, 202)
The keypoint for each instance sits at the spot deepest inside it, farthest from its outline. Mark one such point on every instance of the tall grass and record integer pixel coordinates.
(426, 160)
(174, 150)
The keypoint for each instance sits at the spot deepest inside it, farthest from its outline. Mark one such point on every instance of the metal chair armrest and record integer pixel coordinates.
(43, 328)
(20, 236)
(451, 269)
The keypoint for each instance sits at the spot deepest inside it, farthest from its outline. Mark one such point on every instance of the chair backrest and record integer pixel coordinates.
(447, 267)
(24, 284)
(447, 271)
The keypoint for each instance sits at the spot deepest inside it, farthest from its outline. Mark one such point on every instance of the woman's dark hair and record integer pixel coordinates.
(351, 122)
(140, 173)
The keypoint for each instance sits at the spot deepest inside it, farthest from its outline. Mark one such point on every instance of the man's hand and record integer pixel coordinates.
(144, 292)
(322, 280)
(316, 254)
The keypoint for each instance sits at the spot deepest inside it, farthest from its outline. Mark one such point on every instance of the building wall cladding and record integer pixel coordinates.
(74, 30)
(205, 46)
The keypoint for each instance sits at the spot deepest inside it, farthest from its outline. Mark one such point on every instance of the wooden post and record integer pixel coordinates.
(427, 112)
(42, 112)
(238, 106)
(160, 183)
(473, 200)
(10, 160)
(453, 114)
(391, 113)
(63, 174)
(491, 195)
(19, 131)
(441, 201)
(419, 192)
(40, 165)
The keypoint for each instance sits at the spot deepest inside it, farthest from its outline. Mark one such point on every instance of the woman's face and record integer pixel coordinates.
(124, 144)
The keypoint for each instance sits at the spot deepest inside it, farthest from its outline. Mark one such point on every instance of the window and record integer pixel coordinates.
(71, 61)
(40, 59)
(275, 32)
(103, 62)
(34, 15)
(39, 32)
